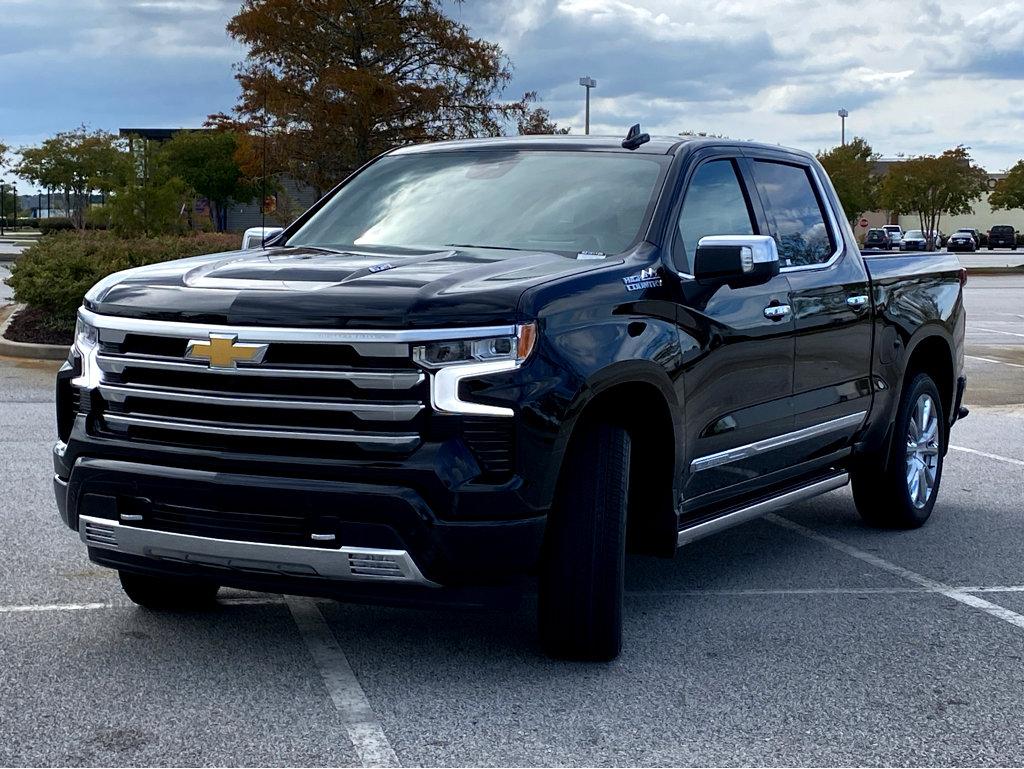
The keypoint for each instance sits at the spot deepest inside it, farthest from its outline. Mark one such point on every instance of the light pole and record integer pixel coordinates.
(843, 114)
(3, 213)
(588, 83)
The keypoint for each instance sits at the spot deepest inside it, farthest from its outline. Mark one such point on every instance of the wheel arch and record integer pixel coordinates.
(639, 398)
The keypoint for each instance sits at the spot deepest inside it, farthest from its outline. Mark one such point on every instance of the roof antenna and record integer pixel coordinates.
(263, 181)
(634, 138)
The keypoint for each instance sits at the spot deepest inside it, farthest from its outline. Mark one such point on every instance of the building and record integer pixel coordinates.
(982, 216)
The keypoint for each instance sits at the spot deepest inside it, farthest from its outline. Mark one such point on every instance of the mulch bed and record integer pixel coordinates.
(35, 326)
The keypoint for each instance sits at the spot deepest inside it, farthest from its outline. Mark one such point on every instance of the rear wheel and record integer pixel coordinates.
(898, 488)
(581, 576)
(168, 592)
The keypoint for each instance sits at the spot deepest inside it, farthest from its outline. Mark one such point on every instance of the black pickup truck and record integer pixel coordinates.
(493, 362)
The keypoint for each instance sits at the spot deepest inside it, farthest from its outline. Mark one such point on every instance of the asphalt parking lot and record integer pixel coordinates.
(803, 639)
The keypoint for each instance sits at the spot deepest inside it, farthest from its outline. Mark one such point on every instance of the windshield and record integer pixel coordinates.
(892, 228)
(915, 234)
(1002, 229)
(528, 200)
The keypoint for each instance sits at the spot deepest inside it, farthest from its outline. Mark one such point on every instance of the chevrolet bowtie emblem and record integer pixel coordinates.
(222, 351)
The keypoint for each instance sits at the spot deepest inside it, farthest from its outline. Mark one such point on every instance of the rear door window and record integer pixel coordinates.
(795, 213)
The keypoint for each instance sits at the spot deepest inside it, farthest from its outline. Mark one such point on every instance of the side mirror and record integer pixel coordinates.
(255, 237)
(739, 260)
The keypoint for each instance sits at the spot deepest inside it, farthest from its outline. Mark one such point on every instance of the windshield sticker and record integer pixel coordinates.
(647, 278)
(382, 267)
(591, 255)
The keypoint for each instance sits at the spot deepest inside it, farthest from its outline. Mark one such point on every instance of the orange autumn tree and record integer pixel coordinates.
(333, 83)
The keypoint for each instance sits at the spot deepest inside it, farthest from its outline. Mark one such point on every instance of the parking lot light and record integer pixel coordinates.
(843, 114)
(587, 83)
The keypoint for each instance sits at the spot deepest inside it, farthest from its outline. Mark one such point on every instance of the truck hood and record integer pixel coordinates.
(315, 287)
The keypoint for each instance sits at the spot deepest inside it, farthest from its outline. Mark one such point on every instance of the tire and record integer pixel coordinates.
(583, 564)
(168, 592)
(897, 489)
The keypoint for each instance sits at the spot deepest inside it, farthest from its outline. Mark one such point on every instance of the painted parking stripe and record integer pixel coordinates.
(968, 599)
(993, 360)
(54, 607)
(997, 331)
(997, 457)
(367, 736)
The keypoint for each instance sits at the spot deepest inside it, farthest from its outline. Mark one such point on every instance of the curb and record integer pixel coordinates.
(1019, 269)
(27, 349)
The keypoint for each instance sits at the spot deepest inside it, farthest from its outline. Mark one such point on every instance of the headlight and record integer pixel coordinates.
(453, 362)
(515, 347)
(86, 335)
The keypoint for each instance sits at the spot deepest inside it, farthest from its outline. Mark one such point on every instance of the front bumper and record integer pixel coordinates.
(230, 528)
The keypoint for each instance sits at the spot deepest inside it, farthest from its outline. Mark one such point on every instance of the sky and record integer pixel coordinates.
(917, 76)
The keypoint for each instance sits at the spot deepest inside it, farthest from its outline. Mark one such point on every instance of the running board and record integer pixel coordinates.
(744, 514)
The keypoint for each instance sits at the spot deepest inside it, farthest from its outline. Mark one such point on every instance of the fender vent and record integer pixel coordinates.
(492, 443)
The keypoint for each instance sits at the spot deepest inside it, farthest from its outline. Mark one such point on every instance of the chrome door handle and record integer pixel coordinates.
(777, 311)
(857, 302)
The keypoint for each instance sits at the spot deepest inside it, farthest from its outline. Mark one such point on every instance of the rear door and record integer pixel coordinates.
(830, 299)
(738, 361)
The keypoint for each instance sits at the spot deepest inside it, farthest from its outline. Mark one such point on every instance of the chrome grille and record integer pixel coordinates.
(365, 397)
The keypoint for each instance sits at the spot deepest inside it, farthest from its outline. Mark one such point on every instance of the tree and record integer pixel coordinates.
(931, 186)
(4, 149)
(148, 197)
(849, 168)
(78, 163)
(337, 82)
(207, 162)
(1009, 191)
(537, 120)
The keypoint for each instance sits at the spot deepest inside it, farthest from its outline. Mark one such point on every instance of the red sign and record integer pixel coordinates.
(863, 222)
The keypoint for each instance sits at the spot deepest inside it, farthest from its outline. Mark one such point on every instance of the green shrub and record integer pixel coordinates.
(54, 274)
(55, 224)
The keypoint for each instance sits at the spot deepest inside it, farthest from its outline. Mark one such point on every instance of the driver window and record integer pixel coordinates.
(714, 205)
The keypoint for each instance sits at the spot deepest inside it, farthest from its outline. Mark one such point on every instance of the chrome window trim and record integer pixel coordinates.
(776, 442)
(184, 330)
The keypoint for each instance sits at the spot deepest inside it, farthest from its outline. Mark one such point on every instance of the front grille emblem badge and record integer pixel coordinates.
(225, 351)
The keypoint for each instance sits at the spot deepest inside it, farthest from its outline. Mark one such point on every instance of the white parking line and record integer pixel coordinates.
(54, 607)
(367, 736)
(997, 457)
(993, 360)
(997, 331)
(968, 599)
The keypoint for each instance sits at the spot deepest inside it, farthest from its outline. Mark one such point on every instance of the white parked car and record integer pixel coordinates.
(255, 237)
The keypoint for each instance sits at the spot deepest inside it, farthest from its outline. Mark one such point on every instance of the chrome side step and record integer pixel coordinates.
(744, 514)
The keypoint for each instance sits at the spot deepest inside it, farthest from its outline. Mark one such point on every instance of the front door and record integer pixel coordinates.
(737, 344)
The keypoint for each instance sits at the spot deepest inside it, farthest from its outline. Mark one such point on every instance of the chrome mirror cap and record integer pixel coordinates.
(754, 249)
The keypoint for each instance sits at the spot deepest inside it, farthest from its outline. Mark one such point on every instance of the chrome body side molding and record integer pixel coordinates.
(776, 442)
(345, 563)
(758, 509)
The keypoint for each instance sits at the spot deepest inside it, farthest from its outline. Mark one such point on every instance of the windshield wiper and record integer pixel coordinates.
(474, 245)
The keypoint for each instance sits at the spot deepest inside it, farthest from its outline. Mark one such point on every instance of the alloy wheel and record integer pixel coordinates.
(922, 450)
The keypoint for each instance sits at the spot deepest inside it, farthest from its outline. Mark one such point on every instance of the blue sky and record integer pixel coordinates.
(918, 76)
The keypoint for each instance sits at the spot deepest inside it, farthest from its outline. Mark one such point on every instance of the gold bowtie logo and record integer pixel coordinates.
(222, 351)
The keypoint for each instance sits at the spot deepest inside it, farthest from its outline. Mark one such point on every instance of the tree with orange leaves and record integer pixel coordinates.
(333, 83)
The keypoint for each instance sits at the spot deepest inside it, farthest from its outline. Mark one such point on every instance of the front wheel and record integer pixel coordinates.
(168, 592)
(582, 568)
(897, 489)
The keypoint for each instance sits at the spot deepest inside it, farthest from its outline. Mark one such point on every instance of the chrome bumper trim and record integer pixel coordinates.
(346, 563)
